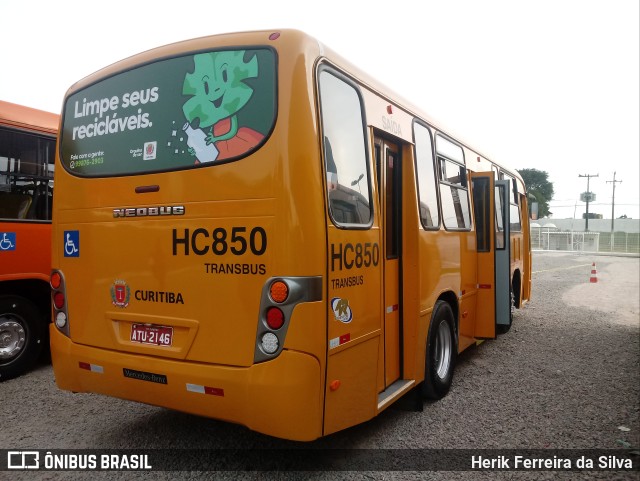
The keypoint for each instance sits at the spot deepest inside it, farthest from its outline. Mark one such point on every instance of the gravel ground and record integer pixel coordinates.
(565, 377)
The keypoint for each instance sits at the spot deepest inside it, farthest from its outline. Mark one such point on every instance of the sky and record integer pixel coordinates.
(547, 84)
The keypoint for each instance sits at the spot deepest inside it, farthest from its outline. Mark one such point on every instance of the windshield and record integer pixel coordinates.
(183, 112)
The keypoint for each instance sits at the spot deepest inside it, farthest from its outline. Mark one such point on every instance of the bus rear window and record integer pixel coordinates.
(183, 112)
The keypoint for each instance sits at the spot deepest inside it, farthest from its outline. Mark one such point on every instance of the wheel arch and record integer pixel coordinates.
(450, 298)
(37, 291)
(516, 287)
(432, 386)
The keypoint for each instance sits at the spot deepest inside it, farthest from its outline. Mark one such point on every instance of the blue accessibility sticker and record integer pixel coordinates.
(7, 241)
(72, 243)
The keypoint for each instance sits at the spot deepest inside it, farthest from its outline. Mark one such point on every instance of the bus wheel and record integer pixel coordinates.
(21, 335)
(441, 353)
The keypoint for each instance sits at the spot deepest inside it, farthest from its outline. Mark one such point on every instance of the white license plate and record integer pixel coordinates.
(156, 335)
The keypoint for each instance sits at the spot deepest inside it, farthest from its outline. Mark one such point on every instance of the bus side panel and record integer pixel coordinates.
(429, 262)
(286, 397)
(468, 292)
(442, 254)
(354, 326)
(30, 256)
(413, 320)
(307, 333)
(352, 401)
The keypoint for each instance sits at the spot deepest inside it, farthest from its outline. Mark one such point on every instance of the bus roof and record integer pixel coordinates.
(305, 42)
(27, 118)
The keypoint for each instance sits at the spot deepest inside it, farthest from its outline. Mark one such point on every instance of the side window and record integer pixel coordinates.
(514, 207)
(26, 175)
(345, 155)
(454, 194)
(425, 167)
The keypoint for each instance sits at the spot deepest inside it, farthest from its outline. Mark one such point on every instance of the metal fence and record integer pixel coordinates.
(618, 242)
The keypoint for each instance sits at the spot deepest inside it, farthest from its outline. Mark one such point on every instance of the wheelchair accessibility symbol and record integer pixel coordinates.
(72, 243)
(7, 241)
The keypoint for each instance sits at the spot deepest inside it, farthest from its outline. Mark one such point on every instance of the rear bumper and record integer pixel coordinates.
(282, 397)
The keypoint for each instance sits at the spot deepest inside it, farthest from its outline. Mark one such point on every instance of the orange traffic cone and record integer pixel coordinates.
(594, 274)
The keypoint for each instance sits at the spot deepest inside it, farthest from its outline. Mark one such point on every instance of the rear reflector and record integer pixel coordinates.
(213, 391)
(91, 367)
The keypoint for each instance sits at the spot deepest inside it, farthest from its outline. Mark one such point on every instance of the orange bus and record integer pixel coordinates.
(247, 227)
(27, 154)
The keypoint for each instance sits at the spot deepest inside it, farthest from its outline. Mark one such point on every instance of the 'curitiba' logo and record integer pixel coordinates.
(120, 294)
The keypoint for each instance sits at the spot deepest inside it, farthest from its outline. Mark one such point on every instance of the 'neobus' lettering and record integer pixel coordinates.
(148, 211)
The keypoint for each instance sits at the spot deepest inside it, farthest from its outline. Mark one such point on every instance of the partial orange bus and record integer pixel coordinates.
(248, 227)
(27, 154)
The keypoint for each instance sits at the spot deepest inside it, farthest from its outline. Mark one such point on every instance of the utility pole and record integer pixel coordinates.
(613, 203)
(587, 199)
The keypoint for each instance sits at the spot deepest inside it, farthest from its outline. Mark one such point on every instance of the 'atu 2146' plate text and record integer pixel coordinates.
(148, 334)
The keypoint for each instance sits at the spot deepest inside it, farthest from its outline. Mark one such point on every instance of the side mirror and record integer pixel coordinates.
(533, 212)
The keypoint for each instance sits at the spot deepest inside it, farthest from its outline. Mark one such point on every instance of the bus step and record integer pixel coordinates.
(393, 392)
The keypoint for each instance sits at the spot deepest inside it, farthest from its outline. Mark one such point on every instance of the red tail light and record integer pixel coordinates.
(275, 318)
(58, 300)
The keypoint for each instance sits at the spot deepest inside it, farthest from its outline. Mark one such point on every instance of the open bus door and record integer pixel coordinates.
(491, 201)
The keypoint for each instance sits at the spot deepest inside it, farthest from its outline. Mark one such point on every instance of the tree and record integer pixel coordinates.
(538, 185)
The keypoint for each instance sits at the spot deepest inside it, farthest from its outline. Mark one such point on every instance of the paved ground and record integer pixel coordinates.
(565, 377)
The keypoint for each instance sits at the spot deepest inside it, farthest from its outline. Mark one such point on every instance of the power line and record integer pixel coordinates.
(613, 199)
(588, 198)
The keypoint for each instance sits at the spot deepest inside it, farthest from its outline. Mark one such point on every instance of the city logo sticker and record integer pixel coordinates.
(7, 241)
(341, 310)
(72, 243)
(120, 294)
(150, 149)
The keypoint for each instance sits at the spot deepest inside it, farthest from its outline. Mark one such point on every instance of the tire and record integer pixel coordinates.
(441, 353)
(22, 335)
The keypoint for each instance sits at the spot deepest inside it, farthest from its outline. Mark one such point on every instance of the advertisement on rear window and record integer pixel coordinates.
(182, 112)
